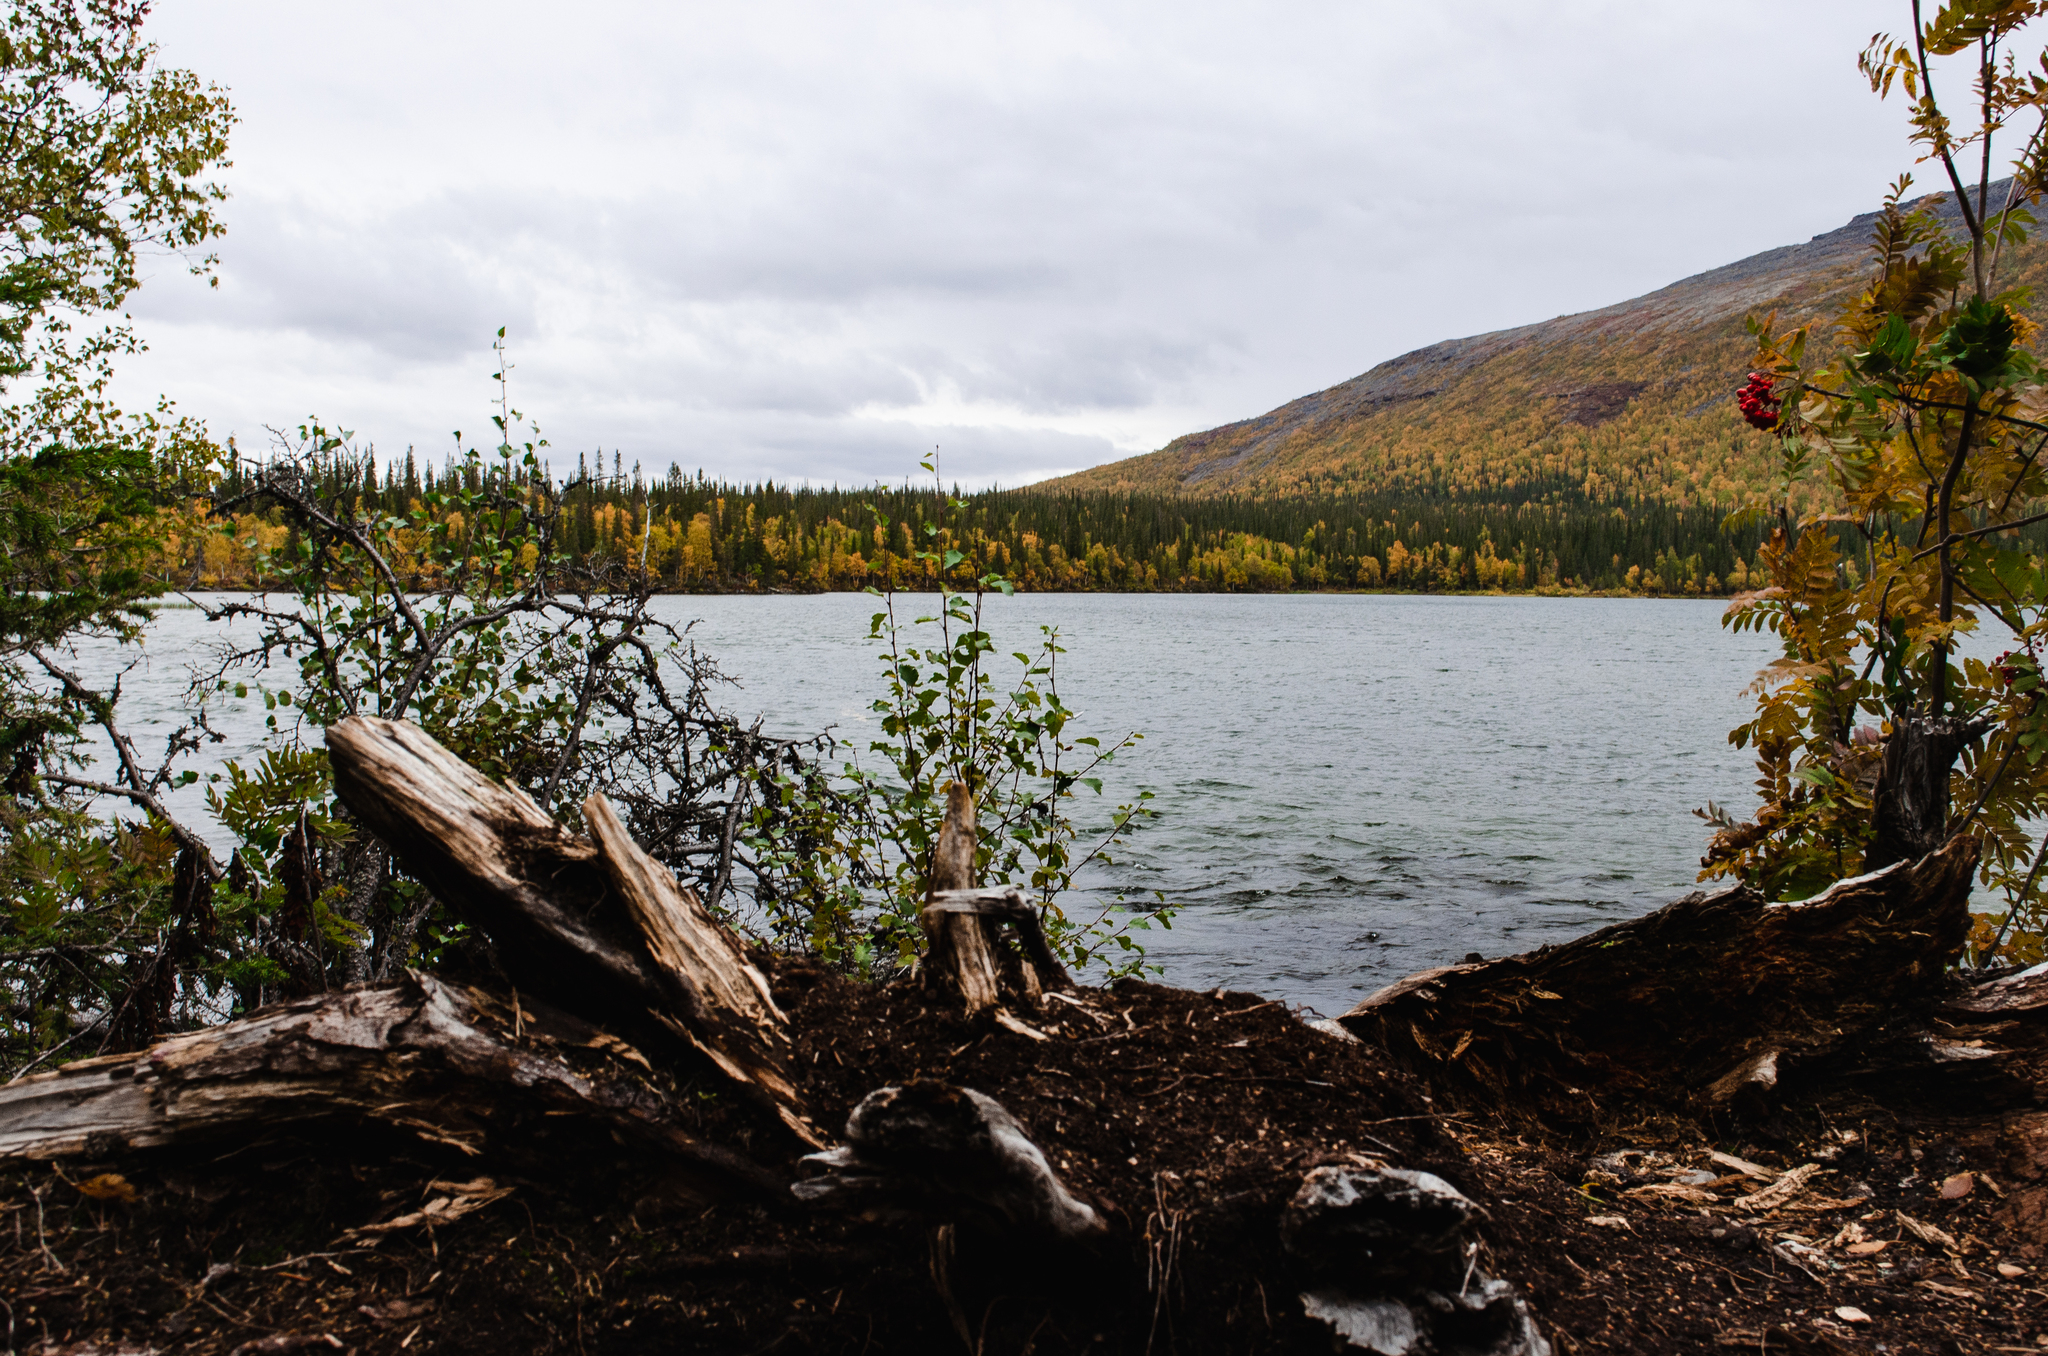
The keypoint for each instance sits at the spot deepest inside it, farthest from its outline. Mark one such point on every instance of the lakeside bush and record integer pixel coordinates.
(1920, 405)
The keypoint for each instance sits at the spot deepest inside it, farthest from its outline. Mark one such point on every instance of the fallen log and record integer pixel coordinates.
(451, 1065)
(2023, 991)
(1981, 1041)
(1707, 1003)
(597, 928)
(537, 891)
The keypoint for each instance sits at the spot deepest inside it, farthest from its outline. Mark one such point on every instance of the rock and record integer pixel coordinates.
(1392, 1241)
(1377, 1325)
(1488, 1316)
(1371, 1213)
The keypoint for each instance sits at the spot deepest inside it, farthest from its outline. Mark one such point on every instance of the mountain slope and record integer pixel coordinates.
(1629, 403)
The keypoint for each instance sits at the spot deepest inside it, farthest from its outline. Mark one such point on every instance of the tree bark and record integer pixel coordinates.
(363, 871)
(1912, 809)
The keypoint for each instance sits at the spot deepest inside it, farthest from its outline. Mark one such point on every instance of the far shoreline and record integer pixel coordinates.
(1616, 595)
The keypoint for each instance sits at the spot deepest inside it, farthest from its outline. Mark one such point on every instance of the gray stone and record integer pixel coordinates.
(1373, 1211)
(1377, 1325)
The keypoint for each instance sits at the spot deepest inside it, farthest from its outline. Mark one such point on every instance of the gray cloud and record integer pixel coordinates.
(809, 241)
(406, 286)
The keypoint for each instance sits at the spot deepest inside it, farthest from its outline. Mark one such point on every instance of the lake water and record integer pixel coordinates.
(1349, 787)
(1352, 787)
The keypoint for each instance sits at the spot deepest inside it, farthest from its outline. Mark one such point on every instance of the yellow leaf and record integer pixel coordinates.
(108, 1186)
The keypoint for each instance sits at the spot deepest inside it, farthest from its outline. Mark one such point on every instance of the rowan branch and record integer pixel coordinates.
(1955, 537)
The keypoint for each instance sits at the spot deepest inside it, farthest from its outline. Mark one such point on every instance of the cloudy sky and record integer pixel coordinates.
(812, 241)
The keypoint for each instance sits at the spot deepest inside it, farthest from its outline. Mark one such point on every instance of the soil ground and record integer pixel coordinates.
(1188, 1118)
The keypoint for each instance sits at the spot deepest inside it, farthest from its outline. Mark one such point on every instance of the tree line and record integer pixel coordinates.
(695, 533)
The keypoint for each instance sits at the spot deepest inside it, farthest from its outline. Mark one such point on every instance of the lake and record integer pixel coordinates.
(1349, 787)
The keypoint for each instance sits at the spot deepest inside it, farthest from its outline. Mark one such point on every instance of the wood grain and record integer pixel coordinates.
(446, 1063)
(962, 952)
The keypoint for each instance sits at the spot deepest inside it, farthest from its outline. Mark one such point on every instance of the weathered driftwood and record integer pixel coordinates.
(597, 928)
(1007, 904)
(727, 1010)
(1008, 1241)
(488, 852)
(1701, 1003)
(453, 1065)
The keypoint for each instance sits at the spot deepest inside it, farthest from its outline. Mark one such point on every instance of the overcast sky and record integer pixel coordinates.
(811, 241)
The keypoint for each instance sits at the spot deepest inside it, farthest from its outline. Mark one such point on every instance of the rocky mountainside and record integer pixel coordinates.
(1631, 402)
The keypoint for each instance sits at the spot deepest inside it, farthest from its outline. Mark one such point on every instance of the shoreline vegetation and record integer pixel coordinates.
(693, 534)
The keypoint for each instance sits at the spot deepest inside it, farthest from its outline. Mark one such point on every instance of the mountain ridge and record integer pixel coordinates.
(1626, 401)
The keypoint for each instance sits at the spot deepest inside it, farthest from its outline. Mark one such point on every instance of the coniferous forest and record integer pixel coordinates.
(696, 534)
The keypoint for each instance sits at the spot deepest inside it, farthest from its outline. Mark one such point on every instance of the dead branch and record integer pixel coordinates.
(726, 1009)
